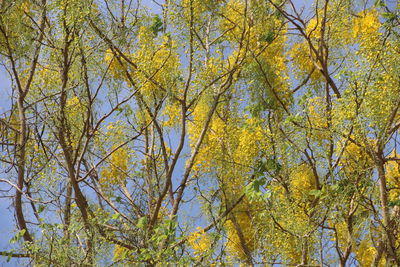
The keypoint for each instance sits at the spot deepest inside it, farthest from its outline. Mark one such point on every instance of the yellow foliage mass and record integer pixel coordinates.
(338, 26)
(354, 158)
(120, 253)
(366, 25)
(158, 62)
(393, 179)
(302, 181)
(318, 116)
(366, 33)
(365, 254)
(244, 225)
(74, 112)
(200, 241)
(173, 111)
(199, 7)
(116, 68)
(116, 173)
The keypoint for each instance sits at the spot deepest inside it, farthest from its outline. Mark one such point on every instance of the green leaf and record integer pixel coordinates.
(389, 15)
(18, 236)
(394, 203)
(260, 168)
(41, 208)
(273, 165)
(315, 192)
(115, 216)
(380, 3)
(268, 37)
(142, 222)
(252, 190)
(293, 118)
(157, 25)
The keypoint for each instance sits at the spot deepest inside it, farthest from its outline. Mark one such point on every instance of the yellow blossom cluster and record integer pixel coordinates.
(288, 245)
(74, 112)
(364, 249)
(317, 112)
(262, 37)
(302, 181)
(381, 100)
(336, 24)
(366, 33)
(235, 20)
(354, 158)
(157, 64)
(198, 7)
(236, 142)
(17, 17)
(200, 241)
(365, 254)
(226, 141)
(114, 61)
(250, 139)
(242, 227)
(366, 25)
(393, 179)
(173, 113)
(121, 253)
(304, 59)
(116, 166)
(116, 173)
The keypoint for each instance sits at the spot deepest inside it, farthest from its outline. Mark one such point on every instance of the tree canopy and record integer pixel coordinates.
(201, 132)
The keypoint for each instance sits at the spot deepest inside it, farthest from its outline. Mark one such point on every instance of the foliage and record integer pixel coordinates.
(204, 133)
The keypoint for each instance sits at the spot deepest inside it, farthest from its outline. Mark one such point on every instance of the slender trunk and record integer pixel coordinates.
(64, 140)
(304, 260)
(67, 210)
(21, 155)
(23, 131)
(391, 256)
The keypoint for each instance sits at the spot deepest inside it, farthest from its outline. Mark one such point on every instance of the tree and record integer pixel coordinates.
(201, 132)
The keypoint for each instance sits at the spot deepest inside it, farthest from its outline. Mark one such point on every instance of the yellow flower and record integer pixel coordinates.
(200, 241)
(366, 24)
(302, 181)
(116, 173)
(116, 68)
(365, 254)
(244, 225)
(393, 179)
